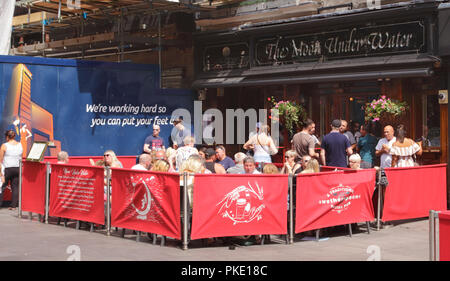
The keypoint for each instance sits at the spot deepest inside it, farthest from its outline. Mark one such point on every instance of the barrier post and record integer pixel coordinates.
(185, 213)
(433, 221)
(47, 190)
(432, 233)
(108, 202)
(20, 190)
(291, 209)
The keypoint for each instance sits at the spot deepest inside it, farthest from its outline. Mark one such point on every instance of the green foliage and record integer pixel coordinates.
(290, 112)
(377, 108)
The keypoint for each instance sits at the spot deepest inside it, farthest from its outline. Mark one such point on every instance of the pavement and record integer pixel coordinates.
(28, 239)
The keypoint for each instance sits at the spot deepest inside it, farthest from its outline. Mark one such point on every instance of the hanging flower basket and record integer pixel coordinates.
(291, 114)
(386, 111)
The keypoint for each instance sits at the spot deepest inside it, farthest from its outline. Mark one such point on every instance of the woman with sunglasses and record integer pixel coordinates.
(290, 166)
(109, 160)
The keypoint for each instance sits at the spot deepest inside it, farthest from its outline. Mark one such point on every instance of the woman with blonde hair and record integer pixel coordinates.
(109, 160)
(193, 165)
(263, 145)
(160, 165)
(311, 167)
(290, 166)
(270, 168)
(170, 156)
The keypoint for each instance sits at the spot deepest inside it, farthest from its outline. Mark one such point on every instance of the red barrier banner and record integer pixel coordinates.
(76, 192)
(444, 236)
(413, 192)
(146, 201)
(331, 169)
(334, 198)
(33, 187)
(233, 205)
(127, 161)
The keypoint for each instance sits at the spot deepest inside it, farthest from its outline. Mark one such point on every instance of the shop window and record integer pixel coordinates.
(431, 130)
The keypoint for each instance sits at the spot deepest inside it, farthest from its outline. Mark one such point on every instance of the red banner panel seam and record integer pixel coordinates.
(76, 192)
(413, 192)
(146, 201)
(33, 187)
(334, 198)
(234, 205)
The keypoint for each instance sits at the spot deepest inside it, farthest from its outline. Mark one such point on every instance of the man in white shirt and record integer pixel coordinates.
(145, 162)
(250, 166)
(384, 146)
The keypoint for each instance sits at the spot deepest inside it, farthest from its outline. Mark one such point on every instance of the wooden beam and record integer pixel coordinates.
(34, 18)
(280, 13)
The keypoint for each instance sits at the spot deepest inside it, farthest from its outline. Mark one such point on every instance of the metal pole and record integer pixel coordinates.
(431, 236)
(436, 239)
(185, 212)
(20, 189)
(108, 201)
(379, 200)
(47, 190)
(291, 209)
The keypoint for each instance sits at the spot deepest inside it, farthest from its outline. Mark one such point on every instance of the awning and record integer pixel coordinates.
(246, 81)
(399, 66)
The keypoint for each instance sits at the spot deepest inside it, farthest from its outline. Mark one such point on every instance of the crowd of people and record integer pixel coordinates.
(356, 148)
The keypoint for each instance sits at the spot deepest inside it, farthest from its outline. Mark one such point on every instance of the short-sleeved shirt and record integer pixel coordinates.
(237, 169)
(386, 158)
(335, 145)
(302, 142)
(350, 137)
(155, 142)
(179, 136)
(227, 162)
(367, 146)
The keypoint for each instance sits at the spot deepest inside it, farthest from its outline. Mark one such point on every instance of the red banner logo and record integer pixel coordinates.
(339, 198)
(146, 201)
(233, 205)
(243, 204)
(334, 198)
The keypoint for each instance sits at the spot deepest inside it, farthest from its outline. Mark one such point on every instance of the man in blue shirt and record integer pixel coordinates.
(335, 147)
(222, 158)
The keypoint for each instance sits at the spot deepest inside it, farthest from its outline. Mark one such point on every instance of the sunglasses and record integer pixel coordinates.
(106, 155)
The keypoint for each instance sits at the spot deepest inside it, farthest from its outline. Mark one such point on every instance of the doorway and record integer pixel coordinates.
(346, 102)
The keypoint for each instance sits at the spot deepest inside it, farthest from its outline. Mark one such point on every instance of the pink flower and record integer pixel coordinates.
(376, 119)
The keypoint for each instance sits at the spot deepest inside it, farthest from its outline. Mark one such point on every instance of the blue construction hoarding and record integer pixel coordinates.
(86, 107)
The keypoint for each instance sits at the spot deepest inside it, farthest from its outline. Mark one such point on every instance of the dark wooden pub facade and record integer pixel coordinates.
(334, 64)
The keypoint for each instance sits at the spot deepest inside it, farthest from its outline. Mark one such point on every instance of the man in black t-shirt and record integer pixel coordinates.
(335, 147)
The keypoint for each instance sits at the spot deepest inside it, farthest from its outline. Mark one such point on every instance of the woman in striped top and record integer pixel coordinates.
(404, 150)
